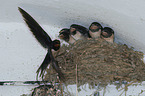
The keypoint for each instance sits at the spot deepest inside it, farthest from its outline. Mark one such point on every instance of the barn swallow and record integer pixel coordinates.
(64, 34)
(44, 39)
(79, 32)
(107, 34)
(95, 30)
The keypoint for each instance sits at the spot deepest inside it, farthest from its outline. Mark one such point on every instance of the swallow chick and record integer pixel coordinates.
(79, 32)
(107, 34)
(44, 39)
(95, 30)
(64, 34)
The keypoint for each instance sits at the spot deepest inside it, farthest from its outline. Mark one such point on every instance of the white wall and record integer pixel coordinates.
(21, 54)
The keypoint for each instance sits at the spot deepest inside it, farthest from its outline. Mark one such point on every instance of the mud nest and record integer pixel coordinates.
(98, 62)
(46, 90)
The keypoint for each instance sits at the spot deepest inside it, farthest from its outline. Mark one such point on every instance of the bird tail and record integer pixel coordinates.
(43, 66)
(58, 70)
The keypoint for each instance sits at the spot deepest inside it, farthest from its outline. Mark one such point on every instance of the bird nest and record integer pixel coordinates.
(98, 62)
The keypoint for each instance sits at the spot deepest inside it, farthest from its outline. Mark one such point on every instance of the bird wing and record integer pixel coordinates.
(56, 67)
(83, 30)
(49, 58)
(42, 37)
(45, 41)
(44, 65)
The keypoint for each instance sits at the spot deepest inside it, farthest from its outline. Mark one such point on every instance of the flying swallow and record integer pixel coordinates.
(79, 32)
(64, 34)
(95, 30)
(44, 39)
(108, 34)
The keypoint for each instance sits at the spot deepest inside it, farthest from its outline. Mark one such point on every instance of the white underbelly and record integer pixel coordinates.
(95, 34)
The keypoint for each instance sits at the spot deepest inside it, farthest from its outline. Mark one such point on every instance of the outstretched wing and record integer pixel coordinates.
(45, 41)
(36, 29)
